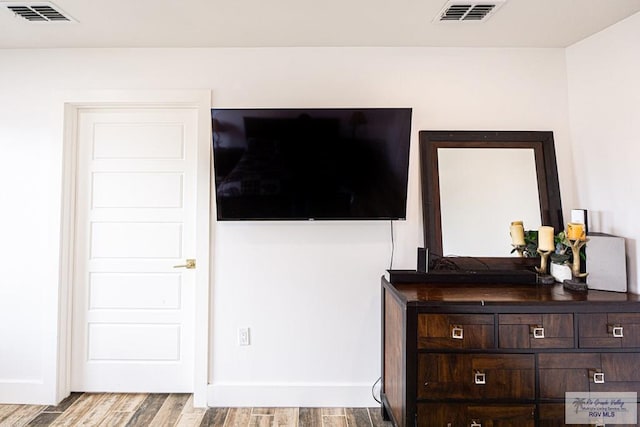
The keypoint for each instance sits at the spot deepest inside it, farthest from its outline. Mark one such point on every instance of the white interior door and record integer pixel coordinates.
(133, 312)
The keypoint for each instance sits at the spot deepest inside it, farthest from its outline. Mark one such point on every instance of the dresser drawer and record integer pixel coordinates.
(535, 331)
(620, 373)
(476, 376)
(560, 373)
(612, 330)
(552, 415)
(465, 415)
(440, 331)
(606, 372)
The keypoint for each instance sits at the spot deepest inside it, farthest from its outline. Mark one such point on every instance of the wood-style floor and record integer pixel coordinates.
(111, 410)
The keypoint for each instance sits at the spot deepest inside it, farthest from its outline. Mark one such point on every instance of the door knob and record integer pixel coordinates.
(191, 263)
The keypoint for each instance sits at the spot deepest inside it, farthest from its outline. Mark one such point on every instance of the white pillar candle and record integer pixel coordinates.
(545, 238)
(517, 233)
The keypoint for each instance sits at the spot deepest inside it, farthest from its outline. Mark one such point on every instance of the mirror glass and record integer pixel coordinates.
(481, 192)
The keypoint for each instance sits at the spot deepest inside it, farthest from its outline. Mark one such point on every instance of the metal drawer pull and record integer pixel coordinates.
(600, 425)
(597, 376)
(480, 377)
(616, 330)
(474, 423)
(537, 331)
(457, 333)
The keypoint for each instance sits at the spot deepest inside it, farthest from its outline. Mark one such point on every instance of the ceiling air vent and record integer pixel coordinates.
(461, 11)
(38, 11)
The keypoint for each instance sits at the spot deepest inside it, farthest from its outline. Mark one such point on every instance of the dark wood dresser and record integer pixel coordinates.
(484, 355)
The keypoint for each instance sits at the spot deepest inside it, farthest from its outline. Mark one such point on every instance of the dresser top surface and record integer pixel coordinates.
(505, 293)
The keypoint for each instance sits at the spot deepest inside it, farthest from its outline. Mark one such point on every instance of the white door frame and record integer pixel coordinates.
(73, 102)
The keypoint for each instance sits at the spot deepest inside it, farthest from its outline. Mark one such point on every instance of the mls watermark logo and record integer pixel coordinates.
(601, 408)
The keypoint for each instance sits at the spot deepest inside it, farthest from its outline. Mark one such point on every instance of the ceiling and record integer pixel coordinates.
(292, 23)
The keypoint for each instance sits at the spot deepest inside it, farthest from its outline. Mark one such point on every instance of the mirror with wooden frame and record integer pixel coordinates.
(474, 183)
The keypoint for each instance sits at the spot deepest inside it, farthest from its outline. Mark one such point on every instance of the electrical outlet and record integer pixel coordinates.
(243, 336)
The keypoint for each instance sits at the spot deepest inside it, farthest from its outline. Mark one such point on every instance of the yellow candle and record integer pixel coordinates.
(517, 233)
(575, 231)
(545, 238)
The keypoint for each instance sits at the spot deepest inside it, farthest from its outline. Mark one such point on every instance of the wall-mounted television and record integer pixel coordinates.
(311, 163)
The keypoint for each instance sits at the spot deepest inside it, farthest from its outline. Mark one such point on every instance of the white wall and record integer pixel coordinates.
(604, 98)
(29, 222)
(308, 291)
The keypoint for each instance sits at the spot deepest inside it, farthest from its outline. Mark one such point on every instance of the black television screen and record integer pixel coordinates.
(311, 164)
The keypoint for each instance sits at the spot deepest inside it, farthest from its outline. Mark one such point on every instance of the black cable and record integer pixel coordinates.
(484, 264)
(448, 263)
(393, 247)
(373, 392)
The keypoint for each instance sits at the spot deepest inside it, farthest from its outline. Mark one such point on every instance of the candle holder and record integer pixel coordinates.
(576, 283)
(520, 249)
(543, 275)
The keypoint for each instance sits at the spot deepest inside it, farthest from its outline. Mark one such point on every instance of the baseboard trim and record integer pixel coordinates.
(290, 395)
(24, 393)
